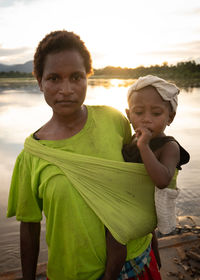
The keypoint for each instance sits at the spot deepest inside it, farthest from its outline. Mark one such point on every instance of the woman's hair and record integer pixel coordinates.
(58, 41)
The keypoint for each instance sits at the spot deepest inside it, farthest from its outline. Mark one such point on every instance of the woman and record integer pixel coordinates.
(75, 235)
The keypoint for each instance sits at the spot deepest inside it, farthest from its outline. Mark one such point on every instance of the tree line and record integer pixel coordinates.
(15, 74)
(182, 70)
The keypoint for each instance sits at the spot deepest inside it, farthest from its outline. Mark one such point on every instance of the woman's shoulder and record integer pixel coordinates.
(110, 117)
(24, 156)
(107, 111)
(104, 108)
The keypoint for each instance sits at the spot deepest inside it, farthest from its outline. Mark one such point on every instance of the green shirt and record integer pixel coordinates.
(75, 236)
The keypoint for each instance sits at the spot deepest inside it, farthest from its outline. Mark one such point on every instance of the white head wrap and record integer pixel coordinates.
(167, 91)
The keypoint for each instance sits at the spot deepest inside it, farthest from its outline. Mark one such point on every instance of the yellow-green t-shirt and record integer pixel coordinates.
(75, 236)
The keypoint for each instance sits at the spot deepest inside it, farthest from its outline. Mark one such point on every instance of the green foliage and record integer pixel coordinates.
(15, 74)
(182, 70)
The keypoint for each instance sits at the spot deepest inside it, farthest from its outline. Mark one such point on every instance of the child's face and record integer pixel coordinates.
(147, 109)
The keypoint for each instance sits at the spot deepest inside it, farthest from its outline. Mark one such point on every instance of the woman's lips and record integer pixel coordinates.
(65, 102)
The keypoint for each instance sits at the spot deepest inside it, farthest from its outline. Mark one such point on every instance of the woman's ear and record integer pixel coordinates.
(40, 85)
(171, 117)
(128, 114)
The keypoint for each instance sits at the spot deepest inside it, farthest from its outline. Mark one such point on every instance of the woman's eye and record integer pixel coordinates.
(53, 78)
(77, 77)
(156, 113)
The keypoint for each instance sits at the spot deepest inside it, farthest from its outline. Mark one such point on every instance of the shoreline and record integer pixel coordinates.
(31, 81)
(179, 250)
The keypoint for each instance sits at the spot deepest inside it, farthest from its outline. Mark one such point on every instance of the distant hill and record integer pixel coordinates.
(184, 74)
(24, 68)
(27, 67)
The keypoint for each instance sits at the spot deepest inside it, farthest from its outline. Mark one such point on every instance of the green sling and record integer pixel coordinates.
(120, 193)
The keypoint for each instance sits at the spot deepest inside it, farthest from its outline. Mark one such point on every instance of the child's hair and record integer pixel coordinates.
(58, 41)
(166, 90)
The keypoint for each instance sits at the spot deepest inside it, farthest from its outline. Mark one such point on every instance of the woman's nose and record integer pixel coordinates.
(66, 87)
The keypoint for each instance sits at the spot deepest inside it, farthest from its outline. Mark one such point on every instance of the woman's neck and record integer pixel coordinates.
(62, 127)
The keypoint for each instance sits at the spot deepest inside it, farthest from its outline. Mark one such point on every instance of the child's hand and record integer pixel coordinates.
(143, 136)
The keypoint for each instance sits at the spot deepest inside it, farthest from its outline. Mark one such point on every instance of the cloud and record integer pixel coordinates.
(16, 55)
(181, 49)
(16, 51)
(195, 11)
(192, 45)
(173, 54)
(9, 3)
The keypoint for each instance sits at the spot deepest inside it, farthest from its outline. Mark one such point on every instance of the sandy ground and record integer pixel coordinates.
(180, 253)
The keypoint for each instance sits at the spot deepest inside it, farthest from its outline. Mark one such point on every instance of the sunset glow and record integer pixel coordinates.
(127, 34)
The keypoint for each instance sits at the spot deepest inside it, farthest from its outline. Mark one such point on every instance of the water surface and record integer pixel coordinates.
(23, 110)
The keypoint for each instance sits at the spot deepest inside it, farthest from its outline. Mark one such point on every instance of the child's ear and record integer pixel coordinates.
(128, 114)
(171, 117)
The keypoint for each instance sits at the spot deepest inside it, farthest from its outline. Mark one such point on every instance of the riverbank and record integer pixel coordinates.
(179, 251)
(185, 74)
(20, 82)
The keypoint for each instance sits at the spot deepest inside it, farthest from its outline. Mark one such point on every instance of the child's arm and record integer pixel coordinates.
(162, 169)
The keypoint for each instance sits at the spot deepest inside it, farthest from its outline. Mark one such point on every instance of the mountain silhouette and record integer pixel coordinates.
(27, 67)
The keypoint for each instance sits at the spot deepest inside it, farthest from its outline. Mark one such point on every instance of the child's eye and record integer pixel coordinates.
(138, 113)
(156, 114)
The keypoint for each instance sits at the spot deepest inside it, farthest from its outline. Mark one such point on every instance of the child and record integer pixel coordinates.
(152, 107)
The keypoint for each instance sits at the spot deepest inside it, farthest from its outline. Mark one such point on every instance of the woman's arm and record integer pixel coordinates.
(29, 245)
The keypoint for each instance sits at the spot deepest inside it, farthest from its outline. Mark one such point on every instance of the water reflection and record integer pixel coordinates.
(23, 110)
(109, 83)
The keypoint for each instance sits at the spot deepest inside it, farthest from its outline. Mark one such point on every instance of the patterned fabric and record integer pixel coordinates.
(150, 272)
(135, 267)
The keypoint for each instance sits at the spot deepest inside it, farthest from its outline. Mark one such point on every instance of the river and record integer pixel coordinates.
(23, 110)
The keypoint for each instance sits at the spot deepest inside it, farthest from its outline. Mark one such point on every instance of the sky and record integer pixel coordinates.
(125, 33)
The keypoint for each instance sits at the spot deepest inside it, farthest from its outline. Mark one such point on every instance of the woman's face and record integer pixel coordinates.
(64, 82)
